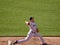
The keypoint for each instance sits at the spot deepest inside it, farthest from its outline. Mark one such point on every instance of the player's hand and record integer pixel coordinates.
(27, 22)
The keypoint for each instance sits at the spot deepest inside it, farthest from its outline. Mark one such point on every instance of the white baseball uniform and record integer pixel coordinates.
(32, 32)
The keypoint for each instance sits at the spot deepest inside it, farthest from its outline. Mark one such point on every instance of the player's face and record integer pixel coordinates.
(32, 20)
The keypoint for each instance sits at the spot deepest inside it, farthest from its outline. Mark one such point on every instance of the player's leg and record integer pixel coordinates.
(41, 38)
(26, 39)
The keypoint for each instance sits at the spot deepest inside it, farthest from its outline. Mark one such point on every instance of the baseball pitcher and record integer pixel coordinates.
(34, 31)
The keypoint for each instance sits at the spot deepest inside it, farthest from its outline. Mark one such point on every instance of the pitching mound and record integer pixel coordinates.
(32, 41)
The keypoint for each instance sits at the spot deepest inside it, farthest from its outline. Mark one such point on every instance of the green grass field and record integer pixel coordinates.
(13, 14)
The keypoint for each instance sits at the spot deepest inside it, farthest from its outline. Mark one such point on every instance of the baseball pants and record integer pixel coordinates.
(30, 35)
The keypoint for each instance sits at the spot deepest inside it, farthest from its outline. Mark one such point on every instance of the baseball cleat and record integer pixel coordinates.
(14, 42)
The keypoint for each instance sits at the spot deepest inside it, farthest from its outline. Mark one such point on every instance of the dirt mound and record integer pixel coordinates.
(32, 41)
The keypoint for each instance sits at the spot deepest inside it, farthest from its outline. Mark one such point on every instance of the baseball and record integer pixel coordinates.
(26, 22)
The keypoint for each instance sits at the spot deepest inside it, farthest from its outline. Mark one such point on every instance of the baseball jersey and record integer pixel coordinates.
(33, 26)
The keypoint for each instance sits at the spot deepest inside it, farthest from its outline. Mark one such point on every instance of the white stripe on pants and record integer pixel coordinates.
(30, 35)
